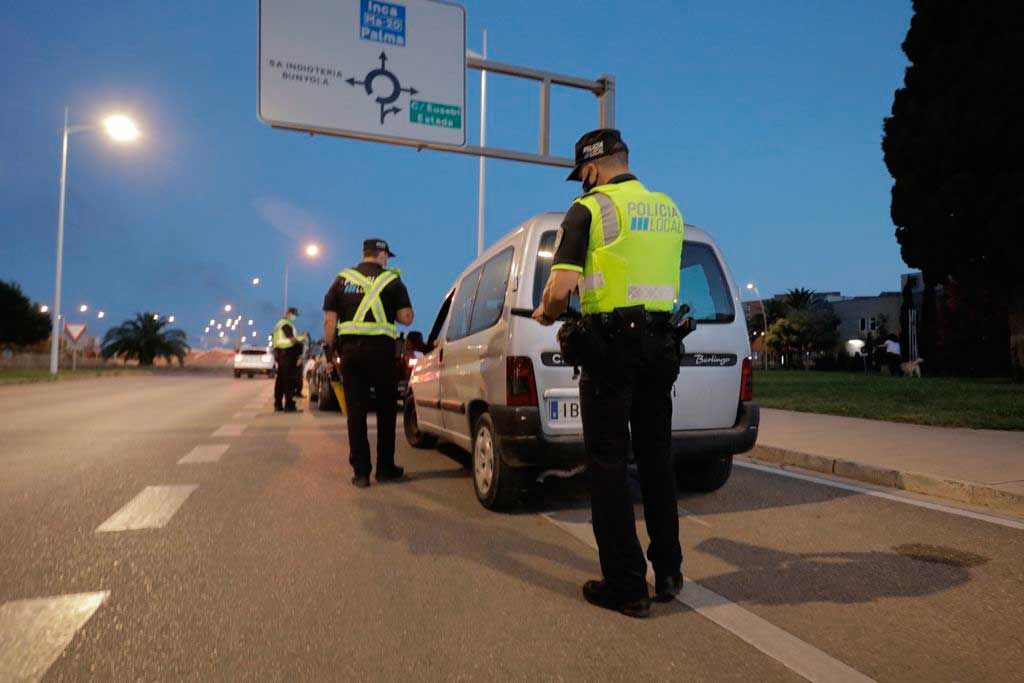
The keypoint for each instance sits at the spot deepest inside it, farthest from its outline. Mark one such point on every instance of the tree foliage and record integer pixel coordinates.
(21, 322)
(146, 338)
(808, 325)
(954, 145)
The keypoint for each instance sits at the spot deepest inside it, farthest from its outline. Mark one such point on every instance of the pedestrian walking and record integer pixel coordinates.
(361, 310)
(893, 354)
(287, 352)
(620, 244)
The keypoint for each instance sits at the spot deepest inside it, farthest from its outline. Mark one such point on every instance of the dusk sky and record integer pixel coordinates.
(762, 120)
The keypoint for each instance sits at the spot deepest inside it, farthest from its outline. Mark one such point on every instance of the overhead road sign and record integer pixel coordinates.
(318, 74)
(393, 71)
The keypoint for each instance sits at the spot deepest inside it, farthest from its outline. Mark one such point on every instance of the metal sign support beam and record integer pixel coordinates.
(603, 88)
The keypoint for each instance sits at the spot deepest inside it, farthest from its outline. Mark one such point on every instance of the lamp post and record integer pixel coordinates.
(120, 128)
(311, 250)
(483, 143)
(764, 315)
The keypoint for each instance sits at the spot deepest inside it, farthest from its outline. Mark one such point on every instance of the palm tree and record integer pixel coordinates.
(800, 299)
(145, 338)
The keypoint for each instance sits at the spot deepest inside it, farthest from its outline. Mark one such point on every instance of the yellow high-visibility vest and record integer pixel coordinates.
(281, 341)
(371, 303)
(634, 250)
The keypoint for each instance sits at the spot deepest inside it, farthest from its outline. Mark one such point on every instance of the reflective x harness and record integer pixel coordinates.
(371, 303)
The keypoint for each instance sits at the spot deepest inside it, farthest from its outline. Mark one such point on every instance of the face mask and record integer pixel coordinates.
(589, 182)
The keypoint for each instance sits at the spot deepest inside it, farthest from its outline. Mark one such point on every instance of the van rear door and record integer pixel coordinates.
(706, 394)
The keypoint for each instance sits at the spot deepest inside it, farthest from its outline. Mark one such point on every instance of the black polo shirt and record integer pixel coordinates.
(344, 297)
(574, 236)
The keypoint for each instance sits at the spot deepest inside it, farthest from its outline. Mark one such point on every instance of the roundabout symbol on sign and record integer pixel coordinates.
(383, 99)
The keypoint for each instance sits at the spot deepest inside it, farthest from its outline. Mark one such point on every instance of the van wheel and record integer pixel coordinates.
(704, 476)
(413, 435)
(496, 484)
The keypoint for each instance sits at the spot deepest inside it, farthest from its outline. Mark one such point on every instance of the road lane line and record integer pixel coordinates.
(980, 516)
(800, 657)
(207, 453)
(230, 429)
(151, 509)
(34, 633)
(692, 517)
(244, 415)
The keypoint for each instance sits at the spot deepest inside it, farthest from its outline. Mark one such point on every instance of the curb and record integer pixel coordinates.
(969, 492)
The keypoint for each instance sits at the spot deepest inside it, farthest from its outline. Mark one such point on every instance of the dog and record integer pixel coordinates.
(911, 368)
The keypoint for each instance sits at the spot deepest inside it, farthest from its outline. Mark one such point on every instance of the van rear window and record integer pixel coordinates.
(702, 284)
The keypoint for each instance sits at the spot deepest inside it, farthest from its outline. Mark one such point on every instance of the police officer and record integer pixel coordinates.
(287, 351)
(360, 311)
(621, 244)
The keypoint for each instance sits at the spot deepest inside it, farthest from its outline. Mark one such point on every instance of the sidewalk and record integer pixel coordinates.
(981, 467)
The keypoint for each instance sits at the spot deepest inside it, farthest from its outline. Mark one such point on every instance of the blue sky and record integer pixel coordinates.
(762, 120)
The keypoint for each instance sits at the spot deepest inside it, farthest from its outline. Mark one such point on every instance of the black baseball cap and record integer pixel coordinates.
(292, 309)
(594, 145)
(378, 245)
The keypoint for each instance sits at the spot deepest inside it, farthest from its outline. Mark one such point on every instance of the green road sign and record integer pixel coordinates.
(434, 114)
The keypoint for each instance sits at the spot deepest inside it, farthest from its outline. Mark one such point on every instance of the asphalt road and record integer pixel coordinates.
(259, 561)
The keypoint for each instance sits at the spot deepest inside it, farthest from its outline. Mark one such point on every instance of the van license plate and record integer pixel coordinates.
(559, 411)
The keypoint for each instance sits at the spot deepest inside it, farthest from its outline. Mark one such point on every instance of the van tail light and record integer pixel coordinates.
(747, 381)
(522, 386)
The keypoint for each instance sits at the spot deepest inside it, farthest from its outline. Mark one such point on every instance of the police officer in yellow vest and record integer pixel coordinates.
(287, 349)
(621, 245)
(360, 312)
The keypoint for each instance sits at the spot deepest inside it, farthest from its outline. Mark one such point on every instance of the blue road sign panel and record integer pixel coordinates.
(383, 22)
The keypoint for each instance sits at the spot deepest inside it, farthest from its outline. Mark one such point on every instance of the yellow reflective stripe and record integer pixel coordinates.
(367, 329)
(567, 266)
(609, 217)
(371, 299)
(651, 292)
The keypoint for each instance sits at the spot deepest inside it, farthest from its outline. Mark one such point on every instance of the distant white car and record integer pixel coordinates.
(254, 360)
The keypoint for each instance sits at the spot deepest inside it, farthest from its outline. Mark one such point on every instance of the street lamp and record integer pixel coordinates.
(311, 250)
(255, 281)
(170, 318)
(101, 314)
(44, 308)
(83, 308)
(227, 308)
(764, 314)
(120, 128)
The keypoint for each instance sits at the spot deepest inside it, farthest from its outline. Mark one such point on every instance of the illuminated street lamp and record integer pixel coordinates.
(227, 308)
(221, 334)
(250, 322)
(311, 250)
(118, 127)
(212, 321)
(83, 308)
(156, 316)
(44, 308)
(206, 330)
(764, 342)
(170, 318)
(101, 314)
(255, 281)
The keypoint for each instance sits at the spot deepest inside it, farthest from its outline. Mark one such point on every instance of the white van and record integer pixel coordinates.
(495, 383)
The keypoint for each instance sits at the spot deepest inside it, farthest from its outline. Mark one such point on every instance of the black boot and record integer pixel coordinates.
(667, 587)
(598, 593)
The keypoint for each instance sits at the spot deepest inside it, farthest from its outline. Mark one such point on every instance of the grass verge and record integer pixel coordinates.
(937, 401)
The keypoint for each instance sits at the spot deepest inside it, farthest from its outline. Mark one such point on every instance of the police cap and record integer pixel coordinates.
(594, 145)
(377, 245)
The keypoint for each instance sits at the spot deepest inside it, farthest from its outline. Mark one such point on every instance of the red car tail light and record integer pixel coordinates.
(522, 386)
(747, 381)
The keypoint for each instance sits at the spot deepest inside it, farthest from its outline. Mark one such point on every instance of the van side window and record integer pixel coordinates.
(490, 295)
(462, 305)
(545, 254)
(703, 287)
(442, 315)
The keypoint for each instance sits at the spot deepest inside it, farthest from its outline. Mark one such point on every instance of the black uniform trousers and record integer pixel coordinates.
(630, 392)
(370, 363)
(284, 381)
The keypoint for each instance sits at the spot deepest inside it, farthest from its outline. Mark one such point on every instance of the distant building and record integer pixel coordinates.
(860, 317)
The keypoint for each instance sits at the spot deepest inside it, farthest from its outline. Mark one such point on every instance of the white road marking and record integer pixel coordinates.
(208, 453)
(230, 429)
(33, 633)
(692, 517)
(907, 500)
(244, 415)
(798, 656)
(151, 509)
